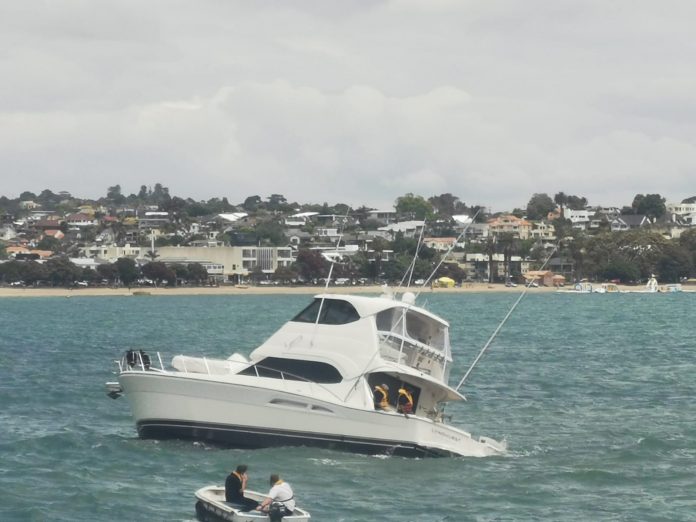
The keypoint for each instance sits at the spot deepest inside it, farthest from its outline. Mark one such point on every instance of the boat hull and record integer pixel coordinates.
(166, 405)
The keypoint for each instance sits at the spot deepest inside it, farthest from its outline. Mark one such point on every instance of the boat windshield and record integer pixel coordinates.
(417, 326)
(333, 311)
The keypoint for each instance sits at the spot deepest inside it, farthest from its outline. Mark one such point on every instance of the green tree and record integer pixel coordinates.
(447, 205)
(197, 273)
(285, 274)
(676, 262)
(49, 243)
(561, 199)
(127, 270)
(277, 202)
(62, 272)
(415, 206)
(651, 205)
(563, 227)
(271, 232)
(252, 203)
(625, 270)
(11, 271)
(576, 202)
(159, 272)
(108, 271)
(32, 272)
(114, 195)
(539, 206)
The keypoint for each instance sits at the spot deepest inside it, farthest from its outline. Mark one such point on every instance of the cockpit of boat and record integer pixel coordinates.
(407, 335)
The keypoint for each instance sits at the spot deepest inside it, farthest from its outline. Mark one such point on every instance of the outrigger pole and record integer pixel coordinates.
(490, 340)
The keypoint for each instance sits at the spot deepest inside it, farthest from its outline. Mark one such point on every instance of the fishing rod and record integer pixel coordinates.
(495, 333)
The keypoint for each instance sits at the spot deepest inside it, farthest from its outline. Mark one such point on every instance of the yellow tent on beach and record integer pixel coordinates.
(444, 282)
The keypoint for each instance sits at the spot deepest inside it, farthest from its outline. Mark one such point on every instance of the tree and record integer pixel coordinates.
(561, 200)
(447, 205)
(563, 227)
(108, 271)
(576, 202)
(251, 203)
(675, 263)
(311, 264)
(651, 205)
(271, 232)
(539, 206)
(11, 271)
(416, 206)
(114, 195)
(276, 202)
(159, 272)
(508, 246)
(127, 270)
(62, 272)
(32, 272)
(622, 269)
(49, 243)
(197, 273)
(27, 196)
(284, 274)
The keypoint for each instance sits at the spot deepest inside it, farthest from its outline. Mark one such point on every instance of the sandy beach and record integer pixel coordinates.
(247, 290)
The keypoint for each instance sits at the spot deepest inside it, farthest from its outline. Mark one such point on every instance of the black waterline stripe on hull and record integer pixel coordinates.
(253, 438)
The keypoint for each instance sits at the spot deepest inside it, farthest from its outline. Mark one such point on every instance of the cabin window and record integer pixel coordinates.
(294, 370)
(425, 330)
(333, 311)
(389, 320)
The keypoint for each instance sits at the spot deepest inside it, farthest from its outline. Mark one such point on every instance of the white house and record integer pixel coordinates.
(579, 218)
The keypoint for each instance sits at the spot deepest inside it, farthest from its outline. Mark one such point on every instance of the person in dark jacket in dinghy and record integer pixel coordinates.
(235, 484)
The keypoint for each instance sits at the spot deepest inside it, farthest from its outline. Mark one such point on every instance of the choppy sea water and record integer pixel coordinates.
(595, 395)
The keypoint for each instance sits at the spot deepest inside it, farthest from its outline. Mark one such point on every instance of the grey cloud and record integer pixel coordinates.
(350, 101)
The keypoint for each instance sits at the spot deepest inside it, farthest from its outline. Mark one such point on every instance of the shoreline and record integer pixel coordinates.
(264, 290)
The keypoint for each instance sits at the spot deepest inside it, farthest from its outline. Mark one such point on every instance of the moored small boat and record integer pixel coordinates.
(211, 506)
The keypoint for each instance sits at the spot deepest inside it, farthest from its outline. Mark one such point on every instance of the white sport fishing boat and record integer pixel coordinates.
(211, 506)
(311, 384)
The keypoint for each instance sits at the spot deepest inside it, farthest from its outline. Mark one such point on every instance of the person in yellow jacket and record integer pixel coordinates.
(404, 403)
(381, 397)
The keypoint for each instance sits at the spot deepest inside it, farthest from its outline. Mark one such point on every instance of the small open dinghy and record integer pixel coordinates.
(211, 506)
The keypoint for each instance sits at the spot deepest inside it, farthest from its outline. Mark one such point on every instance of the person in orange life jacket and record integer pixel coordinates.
(381, 397)
(235, 484)
(404, 403)
(280, 493)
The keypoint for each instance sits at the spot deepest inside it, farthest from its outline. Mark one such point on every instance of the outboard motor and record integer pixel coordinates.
(276, 511)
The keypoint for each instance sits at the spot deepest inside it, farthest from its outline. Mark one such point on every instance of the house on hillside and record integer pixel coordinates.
(509, 224)
(407, 228)
(681, 208)
(441, 244)
(579, 218)
(80, 220)
(382, 216)
(544, 231)
(629, 222)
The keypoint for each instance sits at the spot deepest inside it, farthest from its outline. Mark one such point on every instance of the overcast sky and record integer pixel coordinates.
(356, 101)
